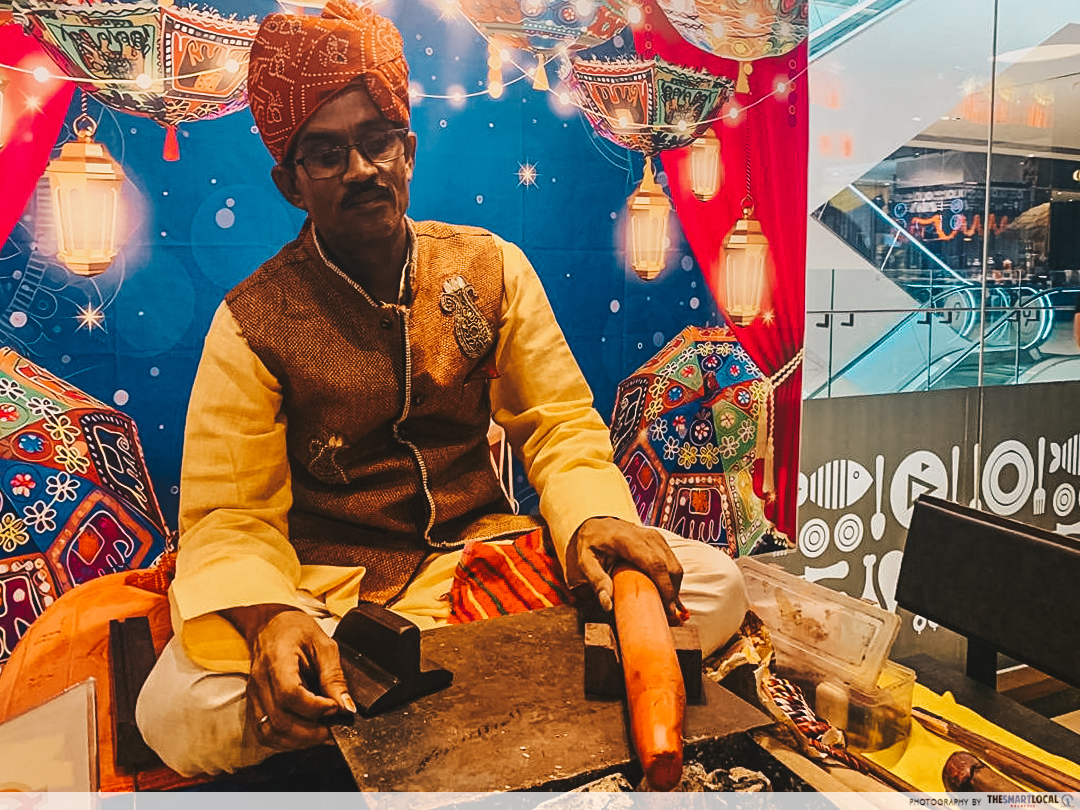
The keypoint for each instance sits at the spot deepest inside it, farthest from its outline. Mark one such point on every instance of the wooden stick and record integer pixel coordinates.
(1001, 757)
(883, 774)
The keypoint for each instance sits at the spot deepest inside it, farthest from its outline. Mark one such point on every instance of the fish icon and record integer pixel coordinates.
(1066, 456)
(835, 484)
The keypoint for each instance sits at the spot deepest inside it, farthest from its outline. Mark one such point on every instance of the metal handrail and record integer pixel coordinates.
(916, 313)
(983, 340)
(846, 25)
(928, 309)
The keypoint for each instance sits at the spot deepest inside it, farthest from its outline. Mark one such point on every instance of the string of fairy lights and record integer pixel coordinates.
(495, 86)
(143, 81)
(648, 208)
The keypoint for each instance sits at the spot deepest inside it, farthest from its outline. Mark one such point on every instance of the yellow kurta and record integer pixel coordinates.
(235, 490)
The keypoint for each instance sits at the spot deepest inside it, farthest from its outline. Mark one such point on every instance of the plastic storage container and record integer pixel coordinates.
(819, 634)
(871, 721)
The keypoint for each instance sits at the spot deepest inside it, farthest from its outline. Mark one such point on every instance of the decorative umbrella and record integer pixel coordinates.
(740, 29)
(647, 105)
(687, 428)
(76, 500)
(173, 65)
(547, 27)
(544, 27)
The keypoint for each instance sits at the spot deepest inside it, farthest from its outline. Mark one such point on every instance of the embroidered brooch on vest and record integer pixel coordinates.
(471, 331)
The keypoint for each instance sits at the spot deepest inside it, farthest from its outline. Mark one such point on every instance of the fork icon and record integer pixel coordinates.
(1038, 500)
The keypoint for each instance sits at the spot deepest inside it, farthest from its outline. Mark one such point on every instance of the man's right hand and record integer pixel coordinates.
(296, 679)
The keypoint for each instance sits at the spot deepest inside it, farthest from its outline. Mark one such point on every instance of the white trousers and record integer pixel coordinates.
(194, 718)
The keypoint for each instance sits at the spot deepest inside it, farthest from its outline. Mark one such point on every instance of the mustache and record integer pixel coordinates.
(360, 190)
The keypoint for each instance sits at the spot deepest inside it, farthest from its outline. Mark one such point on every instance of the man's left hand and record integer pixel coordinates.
(600, 543)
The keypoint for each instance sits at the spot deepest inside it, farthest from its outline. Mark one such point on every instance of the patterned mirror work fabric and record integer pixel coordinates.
(76, 501)
(687, 429)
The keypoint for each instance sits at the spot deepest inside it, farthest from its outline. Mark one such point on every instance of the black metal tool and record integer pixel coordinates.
(380, 655)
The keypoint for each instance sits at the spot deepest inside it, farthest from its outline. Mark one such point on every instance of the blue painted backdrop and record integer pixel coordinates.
(200, 225)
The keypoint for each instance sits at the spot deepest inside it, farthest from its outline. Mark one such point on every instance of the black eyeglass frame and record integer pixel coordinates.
(347, 148)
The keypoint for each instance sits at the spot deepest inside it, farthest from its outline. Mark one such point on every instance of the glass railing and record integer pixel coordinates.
(945, 328)
(940, 345)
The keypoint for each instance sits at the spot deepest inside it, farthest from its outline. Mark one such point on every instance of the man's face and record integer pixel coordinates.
(368, 200)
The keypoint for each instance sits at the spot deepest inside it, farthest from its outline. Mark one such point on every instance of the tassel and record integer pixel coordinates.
(763, 445)
(172, 145)
(742, 85)
(768, 412)
(540, 79)
(768, 483)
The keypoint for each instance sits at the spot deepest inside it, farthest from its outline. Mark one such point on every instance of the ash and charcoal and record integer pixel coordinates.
(695, 779)
(734, 755)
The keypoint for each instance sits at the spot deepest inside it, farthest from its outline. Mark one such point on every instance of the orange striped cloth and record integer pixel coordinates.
(497, 579)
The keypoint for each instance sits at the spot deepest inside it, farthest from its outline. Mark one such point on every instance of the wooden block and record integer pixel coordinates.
(131, 649)
(603, 668)
(688, 651)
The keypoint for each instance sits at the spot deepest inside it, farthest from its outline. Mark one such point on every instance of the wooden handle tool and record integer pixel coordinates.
(966, 773)
(655, 693)
(1002, 757)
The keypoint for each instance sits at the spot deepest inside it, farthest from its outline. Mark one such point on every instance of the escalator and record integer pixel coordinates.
(896, 297)
(936, 341)
(834, 21)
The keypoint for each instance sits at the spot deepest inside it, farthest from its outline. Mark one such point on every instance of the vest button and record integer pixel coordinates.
(386, 323)
(418, 399)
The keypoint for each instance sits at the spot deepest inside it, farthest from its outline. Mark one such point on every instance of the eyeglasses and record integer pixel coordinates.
(377, 146)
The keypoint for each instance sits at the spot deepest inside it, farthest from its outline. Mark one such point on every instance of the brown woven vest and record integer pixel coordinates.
(387, 406)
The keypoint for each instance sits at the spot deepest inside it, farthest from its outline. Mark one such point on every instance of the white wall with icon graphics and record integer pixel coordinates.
(1012, 451)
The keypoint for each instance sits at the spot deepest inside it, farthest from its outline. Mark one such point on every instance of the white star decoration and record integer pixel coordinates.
(526, 174)
(90, 316)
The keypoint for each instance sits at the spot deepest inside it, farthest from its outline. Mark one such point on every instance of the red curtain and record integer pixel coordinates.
(773, 125)
(33, 114)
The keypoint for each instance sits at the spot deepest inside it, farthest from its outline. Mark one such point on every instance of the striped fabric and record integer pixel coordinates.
(497, 579)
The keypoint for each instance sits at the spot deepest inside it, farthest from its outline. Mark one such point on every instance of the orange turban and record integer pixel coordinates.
(299, 62)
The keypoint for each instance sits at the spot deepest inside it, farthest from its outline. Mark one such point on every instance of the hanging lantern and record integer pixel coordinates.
(705, 166)
(85, 183)
(745, 252)
(745, 30)
(649, 212)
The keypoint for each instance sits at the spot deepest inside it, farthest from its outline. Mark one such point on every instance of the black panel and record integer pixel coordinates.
(995, 580)
(1064, 249)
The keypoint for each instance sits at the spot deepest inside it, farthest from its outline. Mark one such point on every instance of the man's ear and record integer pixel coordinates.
(285, 180)
(410, 153)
